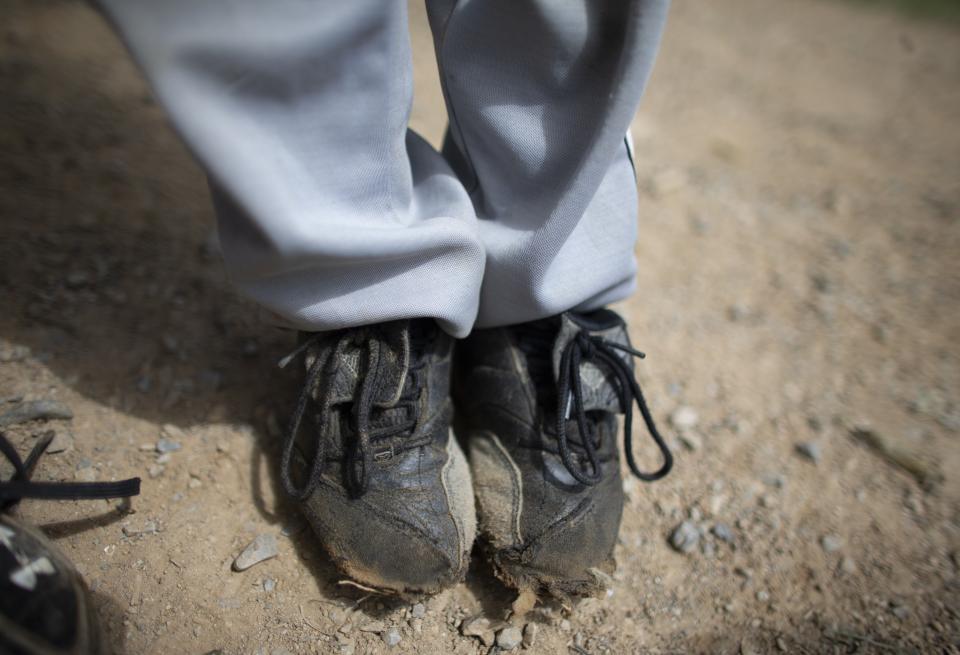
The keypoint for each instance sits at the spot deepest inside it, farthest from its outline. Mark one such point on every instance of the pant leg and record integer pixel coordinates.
(331, 214)
(540, 95)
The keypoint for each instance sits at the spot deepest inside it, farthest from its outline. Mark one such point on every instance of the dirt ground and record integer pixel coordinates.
(798, 301)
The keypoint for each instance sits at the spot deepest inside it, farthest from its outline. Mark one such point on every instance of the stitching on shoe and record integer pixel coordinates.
(516, 486)
(445, 480)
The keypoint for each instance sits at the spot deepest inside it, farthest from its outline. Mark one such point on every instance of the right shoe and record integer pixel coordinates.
(370, 458)
(537, 403)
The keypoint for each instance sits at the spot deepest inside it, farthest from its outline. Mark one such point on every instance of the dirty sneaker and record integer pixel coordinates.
(537, 404)
(375, 470)
(45, 607)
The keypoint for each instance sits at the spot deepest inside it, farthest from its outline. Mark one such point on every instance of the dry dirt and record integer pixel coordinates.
(799, 244)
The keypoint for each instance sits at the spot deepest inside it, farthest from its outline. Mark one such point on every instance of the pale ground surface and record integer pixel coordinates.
(799, 169)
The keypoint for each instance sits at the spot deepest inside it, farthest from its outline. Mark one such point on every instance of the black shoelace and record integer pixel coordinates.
(360, 456)
(602, 352)
(20, 485)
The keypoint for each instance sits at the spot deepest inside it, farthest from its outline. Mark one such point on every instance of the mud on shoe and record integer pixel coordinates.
(538, 405)
(369, 456)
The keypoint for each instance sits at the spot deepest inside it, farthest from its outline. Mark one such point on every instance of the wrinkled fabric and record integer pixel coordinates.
(333, 214)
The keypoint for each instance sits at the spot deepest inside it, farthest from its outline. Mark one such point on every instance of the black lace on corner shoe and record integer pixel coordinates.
(20, 486)
(535, 340)
(372, 421)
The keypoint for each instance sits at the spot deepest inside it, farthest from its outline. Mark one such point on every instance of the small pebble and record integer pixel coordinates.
(691, 441)
(418, 611)
(35, 410)
(530, 635)
(62, 442)
(269, 584)
(685, 537)
(722, 532)
(478, 627)
(810, 450)
(848, 566)
(775, 480)
(167, 445)
(509, 638)
(684, 418)
(391, 637)
(900, 611)
(149, 527)
(831, 543)
(763, 596)
(262, 548)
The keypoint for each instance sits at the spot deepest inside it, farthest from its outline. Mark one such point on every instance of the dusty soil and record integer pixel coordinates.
(800, 285)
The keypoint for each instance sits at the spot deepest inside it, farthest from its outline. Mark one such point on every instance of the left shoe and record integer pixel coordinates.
(370, 458)
(537, 405)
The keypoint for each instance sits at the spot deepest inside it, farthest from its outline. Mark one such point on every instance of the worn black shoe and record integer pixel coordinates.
(376, 472)
(537, 404)
(45, 607)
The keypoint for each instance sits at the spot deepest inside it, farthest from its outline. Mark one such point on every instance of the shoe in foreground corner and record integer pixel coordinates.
(538, 405)
(370, 458)
(45, 608)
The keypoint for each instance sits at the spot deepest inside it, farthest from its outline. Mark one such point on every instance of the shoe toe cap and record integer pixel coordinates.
(388, 546)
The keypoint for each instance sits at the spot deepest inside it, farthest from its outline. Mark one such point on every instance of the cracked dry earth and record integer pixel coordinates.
(798, 300)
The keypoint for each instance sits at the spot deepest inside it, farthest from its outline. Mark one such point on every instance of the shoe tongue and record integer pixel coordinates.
(598, 382)
(389, 367)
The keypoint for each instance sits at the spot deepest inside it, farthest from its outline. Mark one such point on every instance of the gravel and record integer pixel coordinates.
(167, 445)
(479, 627)
(810, 450)
(684, 418)
(723, 532)
(262, 548)
(530, 635)
(62, 442)
(900, 611)
(831, 543)
(509, 638)
(691, 441)
(685, 537)
(34, 410)
(391, 637)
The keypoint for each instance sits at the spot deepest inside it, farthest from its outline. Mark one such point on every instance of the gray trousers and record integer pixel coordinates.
(332, 213)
